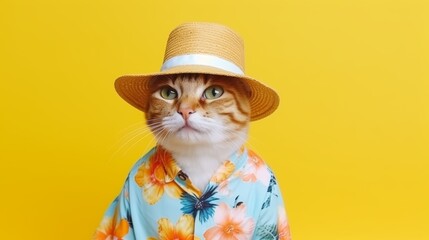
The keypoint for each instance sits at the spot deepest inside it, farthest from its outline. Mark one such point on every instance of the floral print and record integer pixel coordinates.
(271, 186)
(183, 230)
(223, 172)
(255, 170)
(152, 178)
(159, 202)
(231, 223)
(112, 228)
(204, 205)
(283, 226)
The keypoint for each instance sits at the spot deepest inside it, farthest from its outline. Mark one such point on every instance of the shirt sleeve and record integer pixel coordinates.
(272, 222)
(117, 223)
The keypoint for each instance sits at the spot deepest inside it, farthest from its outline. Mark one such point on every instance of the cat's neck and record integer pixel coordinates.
(200, 161)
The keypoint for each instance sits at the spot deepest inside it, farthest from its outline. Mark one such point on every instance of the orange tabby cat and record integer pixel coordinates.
(198, 182)
(200, 119)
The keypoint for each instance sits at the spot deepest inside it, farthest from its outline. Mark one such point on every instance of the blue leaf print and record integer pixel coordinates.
(269, 232)
(130, 219)
(236, 203)
(273, 182)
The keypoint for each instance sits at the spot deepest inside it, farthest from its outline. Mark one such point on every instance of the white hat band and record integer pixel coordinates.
(201, 59)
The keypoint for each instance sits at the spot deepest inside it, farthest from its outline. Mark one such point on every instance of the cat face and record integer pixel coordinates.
(192, 109)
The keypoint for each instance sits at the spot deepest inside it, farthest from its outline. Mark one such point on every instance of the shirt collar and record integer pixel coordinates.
(173, 171)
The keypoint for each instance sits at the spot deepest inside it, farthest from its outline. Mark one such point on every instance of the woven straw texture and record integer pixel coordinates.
(205, 38)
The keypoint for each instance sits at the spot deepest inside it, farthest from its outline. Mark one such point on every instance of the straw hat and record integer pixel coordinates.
(201, 48)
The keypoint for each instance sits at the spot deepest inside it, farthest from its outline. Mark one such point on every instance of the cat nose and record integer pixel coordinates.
(185, 112)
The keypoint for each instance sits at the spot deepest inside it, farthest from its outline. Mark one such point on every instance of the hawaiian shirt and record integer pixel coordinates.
(158, 201)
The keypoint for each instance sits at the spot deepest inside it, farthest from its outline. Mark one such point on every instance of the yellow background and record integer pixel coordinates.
(349, 143)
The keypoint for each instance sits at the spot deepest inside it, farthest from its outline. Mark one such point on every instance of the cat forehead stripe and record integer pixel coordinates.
(201, 59)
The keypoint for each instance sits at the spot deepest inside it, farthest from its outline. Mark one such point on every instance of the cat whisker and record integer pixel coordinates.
(161, 135)
(139, 139)
(130, 133)
(124, 147)
(134, 137)
(133, 132)
(152, 128)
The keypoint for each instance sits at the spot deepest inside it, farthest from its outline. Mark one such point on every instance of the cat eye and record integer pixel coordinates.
(213, 92)
(168, 93)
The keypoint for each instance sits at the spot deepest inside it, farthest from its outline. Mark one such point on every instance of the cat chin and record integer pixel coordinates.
(207, 147)
(189, 137)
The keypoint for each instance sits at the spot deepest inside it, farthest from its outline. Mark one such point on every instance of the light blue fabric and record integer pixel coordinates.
(158, 201)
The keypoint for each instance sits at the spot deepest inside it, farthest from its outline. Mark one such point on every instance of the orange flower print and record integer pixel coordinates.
(221, 175)
(151, 176)
(223, 172)
(231, 224)
(183, 230)
(255, 170)
(112, 229)
(283, 226)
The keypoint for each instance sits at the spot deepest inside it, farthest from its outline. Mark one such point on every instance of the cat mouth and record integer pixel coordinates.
(188, 128)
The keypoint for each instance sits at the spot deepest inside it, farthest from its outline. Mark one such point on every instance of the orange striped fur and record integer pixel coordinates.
(200, 133)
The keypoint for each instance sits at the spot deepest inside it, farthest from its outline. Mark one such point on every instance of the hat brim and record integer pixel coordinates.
(134, 89)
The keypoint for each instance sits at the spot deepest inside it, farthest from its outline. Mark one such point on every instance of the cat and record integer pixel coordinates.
(199, 182)
(200, 119)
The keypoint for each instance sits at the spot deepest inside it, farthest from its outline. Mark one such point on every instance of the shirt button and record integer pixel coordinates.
(182, 176)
